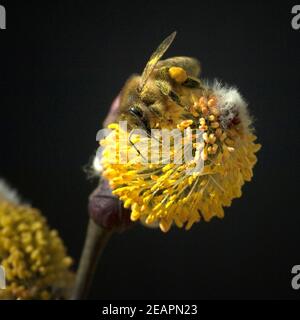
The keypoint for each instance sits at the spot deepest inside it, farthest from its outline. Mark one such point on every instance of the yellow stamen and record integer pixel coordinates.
(212, 102)
(215, 125)
(203, 102)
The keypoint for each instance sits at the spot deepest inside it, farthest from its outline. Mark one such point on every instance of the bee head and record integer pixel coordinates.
(136, 112)
(139, 117)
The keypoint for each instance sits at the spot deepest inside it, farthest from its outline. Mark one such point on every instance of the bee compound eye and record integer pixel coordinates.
(136, 111)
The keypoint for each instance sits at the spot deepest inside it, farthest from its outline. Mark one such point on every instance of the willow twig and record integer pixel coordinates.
(96, 240)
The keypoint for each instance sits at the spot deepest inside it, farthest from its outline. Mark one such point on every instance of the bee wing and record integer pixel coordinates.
(158, 53)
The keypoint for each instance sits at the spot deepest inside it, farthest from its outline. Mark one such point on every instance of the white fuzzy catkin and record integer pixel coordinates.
(231, 104)
(8, 194)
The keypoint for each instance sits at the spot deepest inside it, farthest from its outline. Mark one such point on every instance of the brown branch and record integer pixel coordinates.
(96, 240)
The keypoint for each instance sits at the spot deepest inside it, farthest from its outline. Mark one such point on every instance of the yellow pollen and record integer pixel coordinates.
(203, 102)
(211, 118)
(204, 110)
(204, 155)
(212, 138)
(215, 111)
(215, 125)
(113, 126)
(184, 124)
(205, 137)
(178, 74)
(212, 102)
(215, 148)
(202, 121)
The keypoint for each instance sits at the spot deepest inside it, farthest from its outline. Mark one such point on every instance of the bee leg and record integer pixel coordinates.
(193, 83)
(166, 89)
(190, 65)
(133, 144)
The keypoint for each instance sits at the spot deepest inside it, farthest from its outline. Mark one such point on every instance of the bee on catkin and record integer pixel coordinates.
(169, 95)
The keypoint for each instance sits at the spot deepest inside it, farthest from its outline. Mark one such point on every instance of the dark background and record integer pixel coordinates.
(62, 63)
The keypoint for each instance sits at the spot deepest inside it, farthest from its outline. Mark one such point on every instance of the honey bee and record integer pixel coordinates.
(163, 94)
